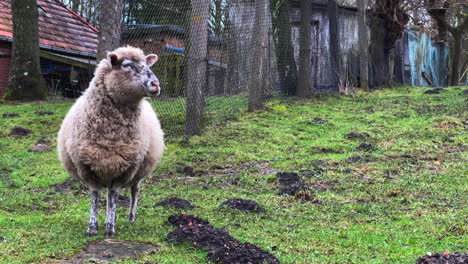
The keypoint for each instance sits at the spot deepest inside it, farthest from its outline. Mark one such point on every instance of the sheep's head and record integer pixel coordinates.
(131, 76)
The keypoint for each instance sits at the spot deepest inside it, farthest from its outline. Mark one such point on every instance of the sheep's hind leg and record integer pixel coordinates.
(135, 190)
(111, 208)
(93, 218)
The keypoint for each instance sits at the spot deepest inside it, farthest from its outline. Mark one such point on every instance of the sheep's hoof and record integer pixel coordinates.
(91, 232)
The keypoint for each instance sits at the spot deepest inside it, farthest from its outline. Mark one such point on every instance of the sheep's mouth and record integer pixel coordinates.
(153, 88)
(151, 91)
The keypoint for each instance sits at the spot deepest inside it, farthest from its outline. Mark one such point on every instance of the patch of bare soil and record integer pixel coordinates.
(364, 158)
(243, 205)
(68, 186)
(221, 246)
(291, 182)
(315, 172)
(40, 148)
(445, 258)
(325, 186)
(44, 113)
(111, 250)
(122, 201)
(176, 202)
(44, 141)
(317, 121)
(366, 147)
(187, 170)
(12, 115)
(357, 135)
(20, 131)
(434, 91)
(465, 92)
(326, 150)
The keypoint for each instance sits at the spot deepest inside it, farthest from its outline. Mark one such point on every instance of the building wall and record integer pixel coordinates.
(321, 76)
(424, 59)
(5, 58)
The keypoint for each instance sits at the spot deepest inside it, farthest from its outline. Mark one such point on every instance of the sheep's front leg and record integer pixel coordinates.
(133, 206)
(112, 194)
(93, 218)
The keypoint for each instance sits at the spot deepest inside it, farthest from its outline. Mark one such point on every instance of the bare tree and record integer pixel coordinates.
(196, 67)
(387, 24)
(257, 90)
(305, 67)
(25, 80)
(334, 44)
(110, 21)
(457, 29)
(287, 69)
(363, 45)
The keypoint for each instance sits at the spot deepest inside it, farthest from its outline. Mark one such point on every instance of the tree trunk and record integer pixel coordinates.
(363, 45)
(110, 21)
(305, 67)
(379, 56)
(287, 69)
(196, 66)
(335, 59)
(25, 80)
(457, 54)
(257, 89)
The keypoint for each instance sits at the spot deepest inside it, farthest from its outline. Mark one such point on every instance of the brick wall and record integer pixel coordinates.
(5, 53)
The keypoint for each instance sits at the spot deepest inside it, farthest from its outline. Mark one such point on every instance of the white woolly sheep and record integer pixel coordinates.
(111, 137)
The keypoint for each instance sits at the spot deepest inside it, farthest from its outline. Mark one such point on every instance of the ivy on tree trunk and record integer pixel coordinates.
(25, 81)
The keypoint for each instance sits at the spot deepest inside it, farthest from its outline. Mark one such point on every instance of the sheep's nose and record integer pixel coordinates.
(154, 88)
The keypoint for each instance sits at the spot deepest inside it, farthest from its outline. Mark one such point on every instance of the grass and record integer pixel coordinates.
(392, 204)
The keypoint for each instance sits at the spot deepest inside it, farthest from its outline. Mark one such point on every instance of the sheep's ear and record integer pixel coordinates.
(151, 59)
(113, 59)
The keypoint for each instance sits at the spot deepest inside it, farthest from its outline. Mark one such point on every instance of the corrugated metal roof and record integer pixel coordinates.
(60, 28)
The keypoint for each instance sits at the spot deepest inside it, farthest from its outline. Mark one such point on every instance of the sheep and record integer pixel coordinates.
(111, 137)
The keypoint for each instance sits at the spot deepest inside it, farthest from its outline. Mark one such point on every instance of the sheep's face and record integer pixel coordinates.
(134, 77)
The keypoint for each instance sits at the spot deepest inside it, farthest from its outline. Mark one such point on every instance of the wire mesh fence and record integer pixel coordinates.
(221, 58)
(215, 58)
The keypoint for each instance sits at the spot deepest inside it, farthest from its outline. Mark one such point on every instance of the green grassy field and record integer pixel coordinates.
(391, 204)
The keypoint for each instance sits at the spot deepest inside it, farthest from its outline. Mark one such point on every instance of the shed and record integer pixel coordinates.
(68, 46)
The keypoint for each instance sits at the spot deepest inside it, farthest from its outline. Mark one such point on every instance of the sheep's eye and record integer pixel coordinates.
(127, 66)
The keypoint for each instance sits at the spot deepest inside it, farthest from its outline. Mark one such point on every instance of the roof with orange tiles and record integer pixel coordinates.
(60, 28)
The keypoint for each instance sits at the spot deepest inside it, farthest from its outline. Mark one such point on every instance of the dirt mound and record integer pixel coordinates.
(445, 258)
(243, 205)
(39, 148)
(44, 113)
(366, 147)
(291, 182)
(111, 250)
(222, 247)
(176, 202)
(317, 121)
(184, 219)
(12, 115)
(20, 131)
(357, 135)
(44, 141)
(241, 253)
(187, 170)
(434, 91)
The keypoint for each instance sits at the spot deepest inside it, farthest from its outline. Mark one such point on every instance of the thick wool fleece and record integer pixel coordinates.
(107, 140)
